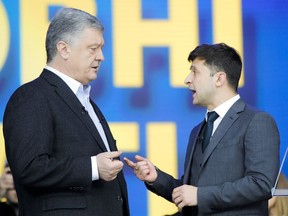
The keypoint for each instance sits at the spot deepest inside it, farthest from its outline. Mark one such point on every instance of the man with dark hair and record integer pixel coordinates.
(232, 156)
(62, 154)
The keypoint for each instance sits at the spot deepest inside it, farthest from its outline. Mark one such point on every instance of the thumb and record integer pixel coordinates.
(140, 158)
(113, 154)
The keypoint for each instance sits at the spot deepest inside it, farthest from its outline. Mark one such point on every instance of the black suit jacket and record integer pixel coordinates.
(49, 142)
(6, 209)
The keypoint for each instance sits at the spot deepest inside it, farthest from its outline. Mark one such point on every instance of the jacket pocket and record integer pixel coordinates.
(64, 202)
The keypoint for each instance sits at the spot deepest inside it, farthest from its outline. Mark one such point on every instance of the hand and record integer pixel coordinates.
(185, 195)
(108, 166)
(143, 169)
(6, 182)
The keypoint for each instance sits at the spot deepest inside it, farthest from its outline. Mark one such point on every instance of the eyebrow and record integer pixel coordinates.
(97, 45)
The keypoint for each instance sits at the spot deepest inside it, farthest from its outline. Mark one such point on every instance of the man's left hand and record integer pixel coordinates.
(185, 195)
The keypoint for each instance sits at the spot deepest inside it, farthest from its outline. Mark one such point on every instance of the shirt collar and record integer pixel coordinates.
(73, 84)
(223, 108)
(84, 90)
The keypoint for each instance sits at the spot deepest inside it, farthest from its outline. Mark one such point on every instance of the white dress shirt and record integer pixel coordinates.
(82, 92)
(221, 110)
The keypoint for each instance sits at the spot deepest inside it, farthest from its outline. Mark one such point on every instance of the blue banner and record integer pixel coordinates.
(140, 87)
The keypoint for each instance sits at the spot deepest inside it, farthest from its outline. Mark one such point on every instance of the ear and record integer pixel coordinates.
(63, 49)
(220, 78)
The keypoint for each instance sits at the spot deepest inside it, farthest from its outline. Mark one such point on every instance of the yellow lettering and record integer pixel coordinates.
(4, 35)
(227, 24)
(127, 135)
(131, 33)
(162, 151)
(34, 24)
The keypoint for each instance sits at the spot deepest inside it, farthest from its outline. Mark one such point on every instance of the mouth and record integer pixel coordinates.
(192, 90)
(96, 68)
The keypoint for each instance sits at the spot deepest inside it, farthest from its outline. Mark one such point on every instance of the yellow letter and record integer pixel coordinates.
(227, 24)
(162, 138)
(127, 135)
(34, 24)
(4, 44)
(131, 33)
(4, 35)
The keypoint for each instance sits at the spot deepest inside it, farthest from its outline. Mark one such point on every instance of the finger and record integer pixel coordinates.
(142, 163)
(114, 177)
(144, 173)
(113, 154)
(175, 195)
(142, 169)
(177, 201)
(117, 164)
(181, 205)
(140, 158)
(177, 190)
(130, 163)
(110, 178)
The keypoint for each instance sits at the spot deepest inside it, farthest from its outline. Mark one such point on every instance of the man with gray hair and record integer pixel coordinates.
(62, 154)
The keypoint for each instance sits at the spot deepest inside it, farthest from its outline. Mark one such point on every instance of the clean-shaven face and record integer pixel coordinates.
(201, 83)
(86, 55)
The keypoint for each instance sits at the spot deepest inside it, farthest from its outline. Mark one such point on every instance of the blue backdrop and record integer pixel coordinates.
(264, 42)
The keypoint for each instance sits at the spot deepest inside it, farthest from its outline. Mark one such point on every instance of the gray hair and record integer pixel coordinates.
(65, 26)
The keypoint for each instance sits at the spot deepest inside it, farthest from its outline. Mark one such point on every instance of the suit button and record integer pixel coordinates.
(119, 198)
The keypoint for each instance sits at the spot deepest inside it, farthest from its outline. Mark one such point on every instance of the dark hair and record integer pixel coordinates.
(220, 57)
(67, 25)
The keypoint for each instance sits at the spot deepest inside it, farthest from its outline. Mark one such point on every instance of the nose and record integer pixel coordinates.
(100, 56)
(188, 79)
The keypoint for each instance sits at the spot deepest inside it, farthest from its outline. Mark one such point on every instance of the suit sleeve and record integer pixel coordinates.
(29, 136)
(164, 185)
(261, 153)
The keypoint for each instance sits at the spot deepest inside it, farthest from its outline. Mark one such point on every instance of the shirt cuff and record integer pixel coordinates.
(95, 173)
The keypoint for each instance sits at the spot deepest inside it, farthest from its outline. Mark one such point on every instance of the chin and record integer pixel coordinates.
(195, 102)
(94, 76)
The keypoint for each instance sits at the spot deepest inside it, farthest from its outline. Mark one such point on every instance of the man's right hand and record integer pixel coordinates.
(108, 166)
(143, 169)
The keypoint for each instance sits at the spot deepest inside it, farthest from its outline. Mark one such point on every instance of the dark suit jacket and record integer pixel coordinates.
(49, 142)
(238, 169)
(7, 209)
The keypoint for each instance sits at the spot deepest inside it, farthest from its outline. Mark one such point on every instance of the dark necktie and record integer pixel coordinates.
(212, 116)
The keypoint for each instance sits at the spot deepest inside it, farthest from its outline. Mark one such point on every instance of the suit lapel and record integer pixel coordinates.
(66, 94)
(109, 136)
(231, 116)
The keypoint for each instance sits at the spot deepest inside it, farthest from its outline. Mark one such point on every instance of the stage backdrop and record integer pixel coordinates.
(140, 87)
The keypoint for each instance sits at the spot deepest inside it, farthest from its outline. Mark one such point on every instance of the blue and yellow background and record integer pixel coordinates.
(140, 88)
